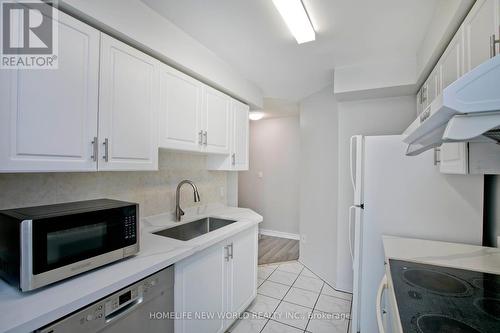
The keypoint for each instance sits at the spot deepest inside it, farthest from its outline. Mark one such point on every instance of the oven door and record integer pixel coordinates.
(55, 248)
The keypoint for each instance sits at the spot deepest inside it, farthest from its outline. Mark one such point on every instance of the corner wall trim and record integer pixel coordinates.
(280, 234)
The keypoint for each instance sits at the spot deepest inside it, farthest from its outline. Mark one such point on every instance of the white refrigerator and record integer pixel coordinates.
(399, 195)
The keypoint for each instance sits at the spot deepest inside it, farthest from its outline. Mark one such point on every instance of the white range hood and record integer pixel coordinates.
(467, 110)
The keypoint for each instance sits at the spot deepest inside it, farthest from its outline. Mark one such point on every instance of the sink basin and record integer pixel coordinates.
(187, 231)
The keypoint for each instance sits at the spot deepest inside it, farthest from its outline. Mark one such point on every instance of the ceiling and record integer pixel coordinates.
(251, 36)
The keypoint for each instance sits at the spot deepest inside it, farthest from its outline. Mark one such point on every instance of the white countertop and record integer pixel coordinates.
(463, 256)
(24, 312)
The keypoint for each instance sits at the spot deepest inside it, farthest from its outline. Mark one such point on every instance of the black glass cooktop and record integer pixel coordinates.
(445, 300)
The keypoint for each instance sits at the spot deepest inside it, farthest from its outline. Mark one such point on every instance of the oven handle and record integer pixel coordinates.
(381, 288)
(123, 311)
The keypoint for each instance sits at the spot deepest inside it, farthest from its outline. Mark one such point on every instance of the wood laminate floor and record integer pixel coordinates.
(275, 249)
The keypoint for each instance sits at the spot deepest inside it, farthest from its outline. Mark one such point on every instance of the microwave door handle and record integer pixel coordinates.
(351, 162)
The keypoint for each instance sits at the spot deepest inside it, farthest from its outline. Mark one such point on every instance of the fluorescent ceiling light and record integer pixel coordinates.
(295, 16)
(254, 115)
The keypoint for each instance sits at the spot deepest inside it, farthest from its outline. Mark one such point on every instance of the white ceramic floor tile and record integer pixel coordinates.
(248, 325)
(301, 297)
(308, 273)
(291, 267)
(326, 323)
(263, 306)
(260, 282)
(308, 283)
(292, 314)
(327, 290)
(273, 289)
(333, 305)
(275, 327)
(273, 266)
(263, 272)
(283, 277)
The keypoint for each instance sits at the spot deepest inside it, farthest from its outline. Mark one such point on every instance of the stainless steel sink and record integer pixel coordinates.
(194, 229)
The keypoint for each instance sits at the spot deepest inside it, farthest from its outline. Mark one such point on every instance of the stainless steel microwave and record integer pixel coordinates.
(44, 244)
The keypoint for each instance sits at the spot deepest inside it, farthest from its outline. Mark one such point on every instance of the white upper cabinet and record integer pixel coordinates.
(481, 23)
(216, 121)
(237, 160)
(433, 86)
(128, 108)
(454, 158)
(48, 117)
(451, 65)
(180, 110)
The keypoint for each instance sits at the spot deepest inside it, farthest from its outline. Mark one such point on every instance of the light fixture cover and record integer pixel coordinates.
(255, 115)
(295, 16)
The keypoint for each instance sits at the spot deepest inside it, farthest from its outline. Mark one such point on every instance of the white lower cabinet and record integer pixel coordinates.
(213, 284)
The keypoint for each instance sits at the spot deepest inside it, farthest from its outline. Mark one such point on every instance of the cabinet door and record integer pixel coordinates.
(451, 63)
(242, 270)
(200, 283)
(216, 121)
(480, 25)
(241, 136)
(180, 110)
(128, 108)
(454, 158)
(425, 94)
(433, 86)
(48, 118)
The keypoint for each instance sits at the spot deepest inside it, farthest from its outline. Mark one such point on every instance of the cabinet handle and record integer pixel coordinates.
(437, 158)
(233, 157)
(226, 253)
(106, 150)
(200, 137)
(231, 252)
(94, 149)
(493, 43)
(205, 135)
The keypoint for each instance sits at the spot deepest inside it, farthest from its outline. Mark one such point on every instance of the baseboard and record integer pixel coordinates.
(280, 234)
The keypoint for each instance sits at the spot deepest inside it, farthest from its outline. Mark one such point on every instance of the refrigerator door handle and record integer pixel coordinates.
(351, 250)
(352, 163)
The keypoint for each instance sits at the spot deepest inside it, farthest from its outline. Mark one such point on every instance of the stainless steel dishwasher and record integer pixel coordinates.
(141, 307)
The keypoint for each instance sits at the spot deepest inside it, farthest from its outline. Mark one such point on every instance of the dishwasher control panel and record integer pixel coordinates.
(96, 317)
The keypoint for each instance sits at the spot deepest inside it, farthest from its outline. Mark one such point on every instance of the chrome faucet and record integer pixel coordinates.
(178, 211)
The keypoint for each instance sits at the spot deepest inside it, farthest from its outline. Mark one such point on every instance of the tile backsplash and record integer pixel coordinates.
(153, 190)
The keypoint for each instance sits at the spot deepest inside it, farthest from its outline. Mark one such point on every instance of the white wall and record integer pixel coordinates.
(135, 22)
(274, 151)
(367, 117)
(318, 183)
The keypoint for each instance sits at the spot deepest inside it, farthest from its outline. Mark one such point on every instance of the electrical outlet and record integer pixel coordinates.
(303, 239)
(260, 174)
